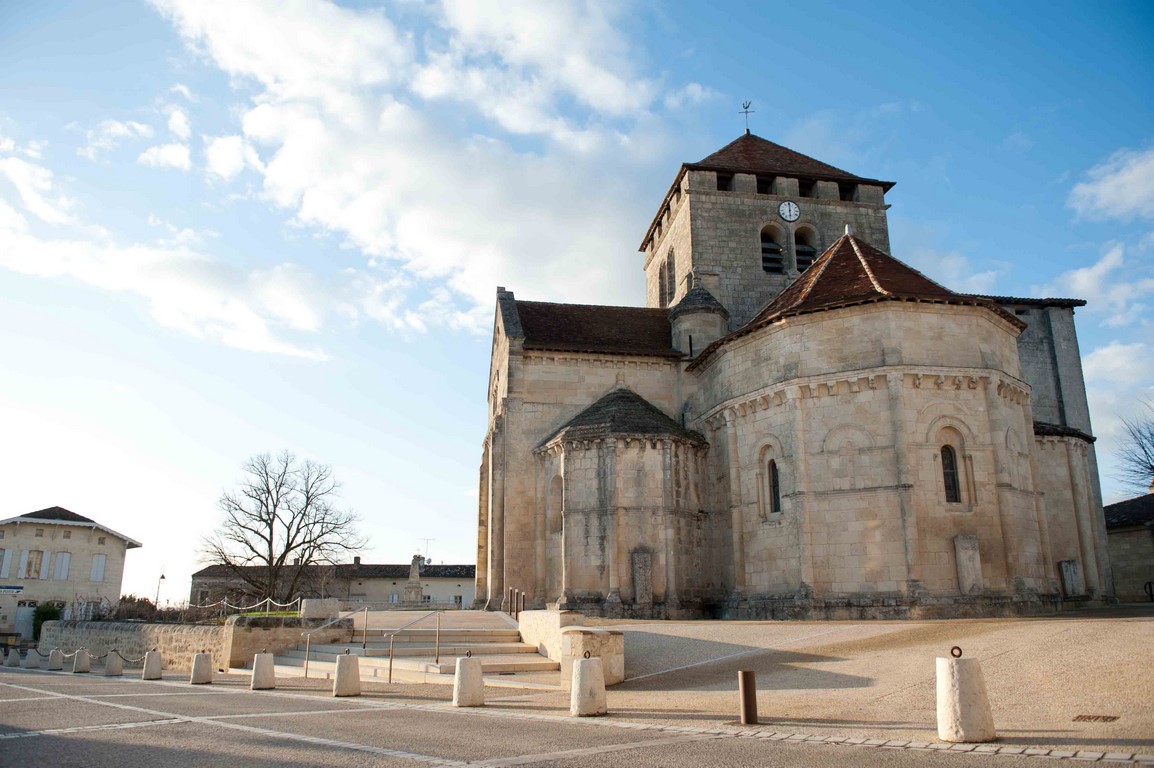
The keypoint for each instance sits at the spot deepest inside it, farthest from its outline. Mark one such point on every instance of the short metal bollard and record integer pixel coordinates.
(747, 687)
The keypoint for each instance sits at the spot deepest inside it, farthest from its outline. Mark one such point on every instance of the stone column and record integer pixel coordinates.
(481, 598)
(909, 517)
(497, 516)
(801, 490)
(607, 455)
(1086, 542)
(565, 601)
(735, 505)
(994, 406)
(669, 517)
(540, 526)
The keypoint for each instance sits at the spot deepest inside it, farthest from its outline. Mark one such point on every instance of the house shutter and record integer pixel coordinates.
(97, 568)
(44, 564)
(5, 562)
(63, 560)
(23, 564)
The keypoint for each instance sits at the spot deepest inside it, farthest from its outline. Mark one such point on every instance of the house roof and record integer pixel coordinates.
(621, 412)
(749, 153)
(852, 272)
(360, 571)
(1132, 512)
(597, 329)
(62, 516)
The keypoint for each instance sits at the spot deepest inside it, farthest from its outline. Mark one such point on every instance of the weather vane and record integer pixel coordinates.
(745, 110)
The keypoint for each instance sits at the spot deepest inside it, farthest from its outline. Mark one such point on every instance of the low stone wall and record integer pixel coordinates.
(605, 644)
(231, 644)
(176, 642)
(543, 629)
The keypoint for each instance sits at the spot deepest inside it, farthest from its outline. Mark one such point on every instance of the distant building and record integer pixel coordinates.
(354, 583)
(54, 556)
(1130, 536)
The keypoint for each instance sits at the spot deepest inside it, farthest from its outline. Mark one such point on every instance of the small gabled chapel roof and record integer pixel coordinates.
(852, 272)
(621, 412)
(697, 299)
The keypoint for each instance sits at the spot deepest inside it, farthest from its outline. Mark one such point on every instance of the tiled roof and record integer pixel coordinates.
(1035, 302)
(697, 299)
(1042, 429)
(360, 571)
(58, 513)
(852, 272)
(621, 412)
(592, 328)
(1124, 514)
(752, 154)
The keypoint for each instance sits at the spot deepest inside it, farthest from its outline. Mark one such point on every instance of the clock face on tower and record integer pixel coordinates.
(789, 210)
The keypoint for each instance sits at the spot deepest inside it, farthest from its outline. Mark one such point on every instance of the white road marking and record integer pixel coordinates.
(501, 762)
(82, 728)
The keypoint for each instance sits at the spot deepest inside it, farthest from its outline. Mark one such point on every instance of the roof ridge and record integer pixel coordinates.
(869, 272)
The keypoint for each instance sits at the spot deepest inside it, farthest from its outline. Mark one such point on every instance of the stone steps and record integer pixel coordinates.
(405, 650)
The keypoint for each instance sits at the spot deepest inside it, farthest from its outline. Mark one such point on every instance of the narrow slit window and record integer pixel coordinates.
(671, 276)
(950, 475)
(774, 488)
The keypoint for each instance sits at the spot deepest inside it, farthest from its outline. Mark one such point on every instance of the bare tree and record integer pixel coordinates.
(281, 521)
(1136, 452)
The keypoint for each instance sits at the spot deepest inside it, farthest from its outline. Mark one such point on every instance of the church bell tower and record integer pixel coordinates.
(747, 220)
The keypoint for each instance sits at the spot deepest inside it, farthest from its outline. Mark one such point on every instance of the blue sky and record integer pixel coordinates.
(228, 228)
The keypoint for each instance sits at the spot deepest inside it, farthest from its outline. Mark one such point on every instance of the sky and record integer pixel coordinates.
(229, 228)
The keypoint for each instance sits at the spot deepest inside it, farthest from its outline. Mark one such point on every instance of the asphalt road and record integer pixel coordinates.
(61, 719)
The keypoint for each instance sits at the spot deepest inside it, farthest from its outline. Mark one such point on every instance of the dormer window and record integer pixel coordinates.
(803, 250)
(846, 190)
(772, 254)
(765, 184)
(725, 182)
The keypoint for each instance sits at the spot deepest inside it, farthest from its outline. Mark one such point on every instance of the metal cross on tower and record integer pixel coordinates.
(745, 110)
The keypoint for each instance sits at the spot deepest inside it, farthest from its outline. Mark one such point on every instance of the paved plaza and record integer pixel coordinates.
(839, 693)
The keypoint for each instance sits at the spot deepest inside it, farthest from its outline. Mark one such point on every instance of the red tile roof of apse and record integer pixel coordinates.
(852, 272)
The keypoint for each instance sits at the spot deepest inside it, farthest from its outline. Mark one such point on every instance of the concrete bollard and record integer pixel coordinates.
(31, 660)
(113, 665)
(13, 659)
(55, 659)
(201, 669)
(153, 664)
(963, 707)
(468, 683)
(347, 681)
(587, 697)
(81, 662)
(747, 689)
(263, 672)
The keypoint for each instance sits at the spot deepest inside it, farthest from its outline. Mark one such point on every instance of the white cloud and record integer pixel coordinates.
(7, 144)
(182, 90)
(108, 135)
(1122, 187)
(179, 124)
(954, 270)
(1109, 290)
(166, 156)
(35, 186)
(225, 156)
(1120, 379)
(691, 95)
(11, 219)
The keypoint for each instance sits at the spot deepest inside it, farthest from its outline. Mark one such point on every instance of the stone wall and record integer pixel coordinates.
(543, 629)
(605, 644)
(1132, 557)
(231, 644)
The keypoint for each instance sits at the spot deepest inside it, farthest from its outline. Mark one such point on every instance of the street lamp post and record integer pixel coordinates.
(156, 602)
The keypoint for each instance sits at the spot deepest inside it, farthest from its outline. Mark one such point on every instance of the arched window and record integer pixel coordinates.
(950, 475)
(772, 255)
(671, 277)
(774, 495)
(662, 280)
(803, 250)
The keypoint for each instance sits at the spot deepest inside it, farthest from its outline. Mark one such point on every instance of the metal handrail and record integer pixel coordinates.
(392, 635)
(308, 636)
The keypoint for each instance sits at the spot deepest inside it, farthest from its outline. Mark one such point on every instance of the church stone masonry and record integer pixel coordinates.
(779, 434)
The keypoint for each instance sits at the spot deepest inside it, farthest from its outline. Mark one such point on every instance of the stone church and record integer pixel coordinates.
(796, 425)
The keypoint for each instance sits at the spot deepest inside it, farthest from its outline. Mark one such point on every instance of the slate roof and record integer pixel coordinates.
(1034, 302)
(851, 272)
(62, 516)
(1132, 512)
(1043, 429)
(752, 154)
(621, 412)
(598, 329)
(697, 299)
(361, 571)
